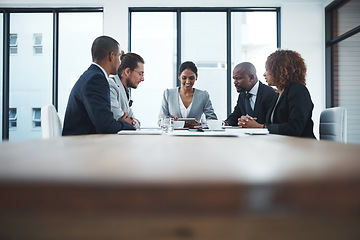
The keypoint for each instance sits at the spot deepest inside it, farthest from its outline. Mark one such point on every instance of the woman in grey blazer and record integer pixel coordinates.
(186, 101)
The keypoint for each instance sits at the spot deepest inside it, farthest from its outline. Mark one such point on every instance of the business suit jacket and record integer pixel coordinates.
(118, 98)
(293, 112)
(265, 100)
(88, 110)
(200, 104)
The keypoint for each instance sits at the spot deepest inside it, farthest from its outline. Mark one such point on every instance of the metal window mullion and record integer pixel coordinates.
(329, 82)
(55, 76)
(178, 45)
(228, 60)
(6, 75)
(129, 30)
(278, 27)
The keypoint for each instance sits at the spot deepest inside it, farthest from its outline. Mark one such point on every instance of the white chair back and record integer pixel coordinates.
(51, 125)
(333, 124)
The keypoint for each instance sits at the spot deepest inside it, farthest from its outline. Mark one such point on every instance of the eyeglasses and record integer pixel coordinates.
(140, 73)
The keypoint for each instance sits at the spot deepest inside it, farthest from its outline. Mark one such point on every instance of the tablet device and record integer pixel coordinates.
(187, 119)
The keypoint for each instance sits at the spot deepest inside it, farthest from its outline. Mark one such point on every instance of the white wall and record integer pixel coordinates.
(302, 28)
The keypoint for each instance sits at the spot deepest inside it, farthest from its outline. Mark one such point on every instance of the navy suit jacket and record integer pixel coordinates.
(292, 115)
(88, 110)
(265, 100)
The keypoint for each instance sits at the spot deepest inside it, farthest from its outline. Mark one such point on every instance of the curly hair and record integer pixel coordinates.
(286, 67)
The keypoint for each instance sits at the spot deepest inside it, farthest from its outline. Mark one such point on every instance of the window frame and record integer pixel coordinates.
(330, 42)
(228, 11)
(332, 64)
(55, 61)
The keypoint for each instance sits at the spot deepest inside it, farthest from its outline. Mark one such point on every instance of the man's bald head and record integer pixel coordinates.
(244, 75)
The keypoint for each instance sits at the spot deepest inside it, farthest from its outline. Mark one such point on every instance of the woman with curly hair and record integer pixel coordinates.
(291, 114)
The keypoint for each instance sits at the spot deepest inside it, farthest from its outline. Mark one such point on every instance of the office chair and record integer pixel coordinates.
(51, 125)
(333, 124)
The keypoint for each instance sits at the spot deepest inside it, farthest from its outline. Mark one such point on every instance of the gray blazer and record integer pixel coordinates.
(201, 104)
(118, 98)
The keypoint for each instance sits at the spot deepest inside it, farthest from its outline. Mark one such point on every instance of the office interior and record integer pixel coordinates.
(165, 187)
(300, 26)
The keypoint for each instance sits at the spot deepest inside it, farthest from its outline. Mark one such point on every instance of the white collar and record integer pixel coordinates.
(255, 88)
(105, 73)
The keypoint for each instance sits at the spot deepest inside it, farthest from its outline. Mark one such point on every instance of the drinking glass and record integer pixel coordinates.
(167, 124)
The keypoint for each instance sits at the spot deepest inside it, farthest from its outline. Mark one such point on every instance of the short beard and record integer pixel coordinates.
(240, 90)
(129, 84)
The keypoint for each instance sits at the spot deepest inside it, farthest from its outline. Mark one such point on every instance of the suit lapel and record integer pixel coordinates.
(178, 100)
(276, 104)
(258, 99)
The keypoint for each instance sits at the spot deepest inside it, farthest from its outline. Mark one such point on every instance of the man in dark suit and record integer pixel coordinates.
(88, 110)
(255, 98)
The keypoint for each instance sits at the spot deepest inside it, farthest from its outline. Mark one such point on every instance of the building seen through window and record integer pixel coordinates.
(13, 44)
(12, 118)
(36, 117)
(38, 49)
(31, 63)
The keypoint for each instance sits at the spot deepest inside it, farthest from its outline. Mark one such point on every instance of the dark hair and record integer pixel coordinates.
(129, 60)
(188, 65)
(286, 67)
(102, 47)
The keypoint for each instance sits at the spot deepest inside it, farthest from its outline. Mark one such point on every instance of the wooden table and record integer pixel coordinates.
(167, 187)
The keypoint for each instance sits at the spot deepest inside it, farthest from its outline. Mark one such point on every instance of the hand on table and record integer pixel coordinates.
(248, 122)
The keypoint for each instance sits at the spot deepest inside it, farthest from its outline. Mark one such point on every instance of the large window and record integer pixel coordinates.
(203, 41)
(88, 26)
(43, 44)
(343, 58)
(253, 40)
(153, 36)
(214, 39)
(30, 73)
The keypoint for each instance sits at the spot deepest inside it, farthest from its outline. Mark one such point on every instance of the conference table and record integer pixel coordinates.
(179, 186)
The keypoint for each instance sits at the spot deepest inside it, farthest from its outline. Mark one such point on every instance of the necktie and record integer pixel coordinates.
(248, 108)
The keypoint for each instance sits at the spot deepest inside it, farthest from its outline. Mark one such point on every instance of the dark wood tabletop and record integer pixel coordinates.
(171, 187)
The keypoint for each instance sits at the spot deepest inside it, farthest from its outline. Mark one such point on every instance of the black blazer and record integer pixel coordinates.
(292, 115)
(88, 110)
(265, 100)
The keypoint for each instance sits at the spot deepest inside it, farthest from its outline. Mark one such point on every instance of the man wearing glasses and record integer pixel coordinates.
(130, 74)
(88, 110)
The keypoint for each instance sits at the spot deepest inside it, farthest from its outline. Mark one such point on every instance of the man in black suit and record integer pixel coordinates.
(255, 98)
(88, 110)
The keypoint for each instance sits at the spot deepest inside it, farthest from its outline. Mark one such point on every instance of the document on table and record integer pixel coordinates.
(251, 131)
(142, 131)
(205, 133)
(233, 132)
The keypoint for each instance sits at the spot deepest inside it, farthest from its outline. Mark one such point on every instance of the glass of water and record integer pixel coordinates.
(167, 124)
